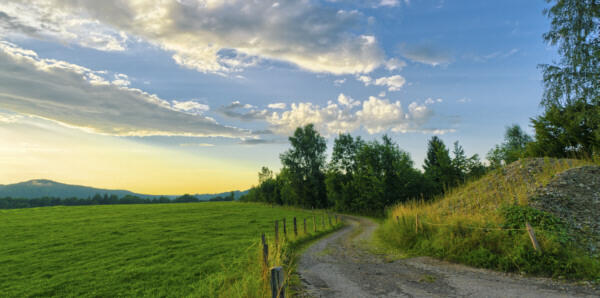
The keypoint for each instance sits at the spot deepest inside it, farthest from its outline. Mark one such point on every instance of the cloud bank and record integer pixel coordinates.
(80, 97)
(217, 36)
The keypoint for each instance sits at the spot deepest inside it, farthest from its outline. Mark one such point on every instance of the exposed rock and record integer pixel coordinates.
(574, 196)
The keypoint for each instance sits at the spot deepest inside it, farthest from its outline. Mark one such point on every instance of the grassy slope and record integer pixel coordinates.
(464, 226)
(135, 250)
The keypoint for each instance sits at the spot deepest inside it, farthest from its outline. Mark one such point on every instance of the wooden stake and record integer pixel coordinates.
(305, 226)
(534, 241)
(277, 282)
(262, 237)
(295, 228)
(284, 229)
(314, 223)
(323, 221)
(398, 219)
(266, 255)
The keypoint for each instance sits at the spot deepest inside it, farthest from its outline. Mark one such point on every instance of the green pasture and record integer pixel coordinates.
(175, 250)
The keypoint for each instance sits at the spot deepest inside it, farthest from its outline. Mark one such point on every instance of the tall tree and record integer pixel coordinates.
(305, 163)
(571, 121)
(341, 170)
(438, 166)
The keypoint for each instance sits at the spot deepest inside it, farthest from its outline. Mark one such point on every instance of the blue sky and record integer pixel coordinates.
(225, 82)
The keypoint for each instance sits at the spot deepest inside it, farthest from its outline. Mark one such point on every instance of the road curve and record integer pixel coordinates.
(341, 265)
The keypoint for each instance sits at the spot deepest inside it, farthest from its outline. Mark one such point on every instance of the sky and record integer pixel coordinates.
(194, 96)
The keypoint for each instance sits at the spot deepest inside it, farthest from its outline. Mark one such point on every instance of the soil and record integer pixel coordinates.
(344, 265)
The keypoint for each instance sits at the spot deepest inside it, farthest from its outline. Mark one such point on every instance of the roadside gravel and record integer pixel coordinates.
(341, 265)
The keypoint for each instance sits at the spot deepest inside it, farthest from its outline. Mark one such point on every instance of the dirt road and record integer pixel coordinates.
(341, 265)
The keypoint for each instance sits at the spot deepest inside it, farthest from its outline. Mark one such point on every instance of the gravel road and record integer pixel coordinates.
(341, 265)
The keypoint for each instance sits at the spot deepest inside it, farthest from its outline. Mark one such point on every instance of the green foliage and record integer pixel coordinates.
(570, 125)
(305, 163)
(515, 217)
(572, 130)
(514, 147)
(174, 250)
(575, 29)
(493, 248)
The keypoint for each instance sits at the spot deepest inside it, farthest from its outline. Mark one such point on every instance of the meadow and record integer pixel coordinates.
(188, 249)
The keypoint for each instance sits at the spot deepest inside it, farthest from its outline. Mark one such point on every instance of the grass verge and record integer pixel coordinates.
(482, 224)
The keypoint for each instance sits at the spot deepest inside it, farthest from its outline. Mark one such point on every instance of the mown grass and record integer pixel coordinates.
(172, 250)
(482, 224)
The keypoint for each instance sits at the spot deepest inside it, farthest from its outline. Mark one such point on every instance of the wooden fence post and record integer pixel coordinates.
(277, 282)
(398, 219)
(417, 223)
(266, 255)
(305, 226)
(276, 232)
(534, 241)
(284, 229)
(323, 221)
(295, 228)
(314, 223)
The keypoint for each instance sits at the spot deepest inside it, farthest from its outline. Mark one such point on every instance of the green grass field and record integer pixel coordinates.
(194, 250)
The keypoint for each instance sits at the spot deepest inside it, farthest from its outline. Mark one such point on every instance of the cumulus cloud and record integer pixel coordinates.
(375, 115)
(208, 35)
(80, 97)
(392, 83)
(347, 101)
(277, 105)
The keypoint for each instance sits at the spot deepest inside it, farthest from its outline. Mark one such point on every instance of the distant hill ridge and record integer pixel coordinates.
(39, 188)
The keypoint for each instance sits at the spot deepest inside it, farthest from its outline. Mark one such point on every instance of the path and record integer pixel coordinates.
(341, 266)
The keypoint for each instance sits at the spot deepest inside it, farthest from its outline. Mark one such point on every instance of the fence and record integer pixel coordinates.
(276, 274)
(527, 228)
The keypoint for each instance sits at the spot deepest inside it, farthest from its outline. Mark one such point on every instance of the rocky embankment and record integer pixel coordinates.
(574, 196)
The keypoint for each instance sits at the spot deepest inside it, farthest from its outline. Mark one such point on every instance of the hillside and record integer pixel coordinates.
(482, 223)
(47, 188)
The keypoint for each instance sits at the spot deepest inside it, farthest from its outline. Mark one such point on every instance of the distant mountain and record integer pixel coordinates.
(47, 188)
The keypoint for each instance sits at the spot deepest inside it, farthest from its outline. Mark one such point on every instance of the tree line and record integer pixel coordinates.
(361, 176)
(98, 199)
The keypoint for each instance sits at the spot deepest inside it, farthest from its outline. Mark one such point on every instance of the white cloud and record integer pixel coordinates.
(277, 105)
(365, 79)
(381, 94)
(208, 35)
(430, 101)
(375, 115)
(339, 82)
(190, 106)
(393, 83)
(44, 19)
(76, 96)
(347, 101)
(394, 64)
(390, 3)
(464, 100)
